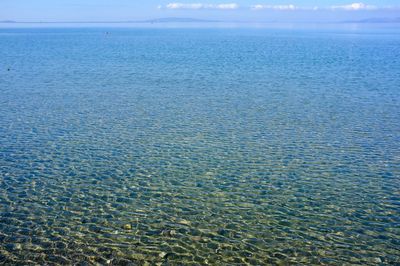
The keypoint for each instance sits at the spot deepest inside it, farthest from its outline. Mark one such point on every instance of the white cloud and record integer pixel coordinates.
(229, 6)
(274, 7)
(283, 7)
(354, 6)
(184, 6)
(286, 7)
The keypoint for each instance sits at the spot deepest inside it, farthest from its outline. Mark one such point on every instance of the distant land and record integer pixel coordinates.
(177, 20)
(194, 20)
(375, 20)
(157, 20)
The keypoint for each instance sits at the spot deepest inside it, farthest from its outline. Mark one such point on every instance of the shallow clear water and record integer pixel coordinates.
(199, 146)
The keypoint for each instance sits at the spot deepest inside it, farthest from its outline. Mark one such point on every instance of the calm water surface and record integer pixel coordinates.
(199, 146)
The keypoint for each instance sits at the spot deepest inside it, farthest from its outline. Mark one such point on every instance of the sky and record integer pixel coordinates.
(231, 10)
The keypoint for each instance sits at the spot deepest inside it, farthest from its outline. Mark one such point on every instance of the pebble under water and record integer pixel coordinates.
(199, 146)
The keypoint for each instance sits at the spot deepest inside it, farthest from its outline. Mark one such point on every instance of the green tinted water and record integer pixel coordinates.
(172, 147)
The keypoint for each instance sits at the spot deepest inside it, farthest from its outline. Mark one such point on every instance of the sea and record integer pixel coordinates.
(203, 145)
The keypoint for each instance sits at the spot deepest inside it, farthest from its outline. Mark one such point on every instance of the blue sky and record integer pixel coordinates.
(240, 10)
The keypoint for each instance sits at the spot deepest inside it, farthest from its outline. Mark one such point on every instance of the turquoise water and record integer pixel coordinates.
(199, 146)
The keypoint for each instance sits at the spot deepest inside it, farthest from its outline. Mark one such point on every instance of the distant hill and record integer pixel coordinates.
(177, 20)
(376, 20)
(7, 21)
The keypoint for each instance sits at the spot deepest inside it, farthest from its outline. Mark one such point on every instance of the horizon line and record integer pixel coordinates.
(195, 20)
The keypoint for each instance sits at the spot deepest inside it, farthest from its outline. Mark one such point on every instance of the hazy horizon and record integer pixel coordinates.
(230, 11)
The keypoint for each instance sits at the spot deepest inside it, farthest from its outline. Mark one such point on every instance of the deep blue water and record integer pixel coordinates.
(199, 146)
